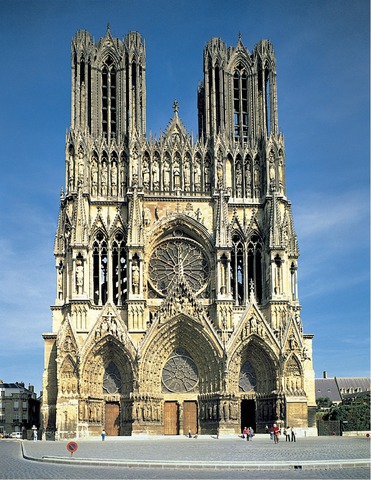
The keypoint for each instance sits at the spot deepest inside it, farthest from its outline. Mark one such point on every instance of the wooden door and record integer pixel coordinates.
(112, 419)
(171, 415)
(190, 418)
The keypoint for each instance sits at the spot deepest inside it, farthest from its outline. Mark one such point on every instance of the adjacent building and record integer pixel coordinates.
(342, 389)
(177, 304)
(19, 408)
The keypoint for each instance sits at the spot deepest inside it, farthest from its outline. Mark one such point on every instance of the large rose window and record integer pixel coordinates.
(178, 258)
(180, 373)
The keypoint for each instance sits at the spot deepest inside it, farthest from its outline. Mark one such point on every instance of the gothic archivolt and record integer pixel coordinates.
(180, 332)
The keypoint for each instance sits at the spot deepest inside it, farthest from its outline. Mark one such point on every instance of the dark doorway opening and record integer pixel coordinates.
(248, 415)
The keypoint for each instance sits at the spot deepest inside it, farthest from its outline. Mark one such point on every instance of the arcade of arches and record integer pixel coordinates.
(177, 302)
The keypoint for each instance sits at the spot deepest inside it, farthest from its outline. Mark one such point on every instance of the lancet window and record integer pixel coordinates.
(254, 265)
(109, 98)
(237, 270)
(240, 105)
(119, 270)
(109, 270)
(100, 269)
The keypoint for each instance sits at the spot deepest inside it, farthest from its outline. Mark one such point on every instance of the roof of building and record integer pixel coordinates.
(337, 388)
(327, 387)
(361, 384)
(15, 386)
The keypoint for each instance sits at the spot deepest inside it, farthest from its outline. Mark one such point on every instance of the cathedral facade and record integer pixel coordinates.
(177, 302)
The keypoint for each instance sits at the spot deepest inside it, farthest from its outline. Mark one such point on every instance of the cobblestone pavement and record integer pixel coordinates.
(228, 450)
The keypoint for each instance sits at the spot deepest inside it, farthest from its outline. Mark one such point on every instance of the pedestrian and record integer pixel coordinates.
(286, 432)
(266, 429)
(276, 432)
(247, 434)
(103, 435)
(217, 432)
(293, 434)
(244, 432)
(271, 433)
(251, 433)
(189, 434)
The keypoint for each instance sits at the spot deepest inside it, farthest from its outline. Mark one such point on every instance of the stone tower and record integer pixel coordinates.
(177, 303)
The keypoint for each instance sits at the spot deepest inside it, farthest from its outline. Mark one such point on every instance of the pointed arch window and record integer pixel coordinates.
(254, 265)
(237, 270)
(119, 270)
(111, 379)
(240, 105)
(100, 270)
(267, 101)
(109, 98)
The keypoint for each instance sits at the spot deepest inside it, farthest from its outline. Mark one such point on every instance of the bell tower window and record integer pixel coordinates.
(109, 99)
(240, 105)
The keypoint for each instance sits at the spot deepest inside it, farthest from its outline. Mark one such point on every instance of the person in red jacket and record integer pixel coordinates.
(276, 432)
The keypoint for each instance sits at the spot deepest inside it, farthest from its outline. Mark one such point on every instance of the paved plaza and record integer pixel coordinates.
(185, 458)
(180, 457)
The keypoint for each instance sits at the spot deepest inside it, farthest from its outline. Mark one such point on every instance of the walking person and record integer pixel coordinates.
(103, 435)
(286, 432)
(247, 434)
(276, 432)
(251, 433)
(244, 432)
(293, 434)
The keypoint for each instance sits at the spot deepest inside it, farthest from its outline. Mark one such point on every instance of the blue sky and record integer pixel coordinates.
(323, 71)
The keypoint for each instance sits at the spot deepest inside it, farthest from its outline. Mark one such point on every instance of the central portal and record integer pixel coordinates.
(248, 416)
(112, 419)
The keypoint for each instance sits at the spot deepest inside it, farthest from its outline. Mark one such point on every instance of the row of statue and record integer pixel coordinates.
(110, 176)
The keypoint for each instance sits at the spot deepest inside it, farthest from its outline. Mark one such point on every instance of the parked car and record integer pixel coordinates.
(16, 435)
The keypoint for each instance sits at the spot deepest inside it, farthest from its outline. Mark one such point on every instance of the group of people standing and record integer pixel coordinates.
(275, 432)
(290, 434)
(248, 433)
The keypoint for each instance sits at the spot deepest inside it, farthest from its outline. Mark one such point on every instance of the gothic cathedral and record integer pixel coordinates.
(177, 302)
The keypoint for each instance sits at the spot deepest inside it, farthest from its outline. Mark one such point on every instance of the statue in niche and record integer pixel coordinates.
(60, 280)
(123, 172)
(197, 174)
(79, 277)
(103, 179)
(248, 179)
(135, 277)
(156, 184)
(176, 174)
(145, 174)
(166, 175)
(94, 178)
(113, 179)
(187, 176)
(219, 171)
(272, 170)
(207, 175)
(238, 180)
(81, 167)
(71, 175)
(256, 181)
